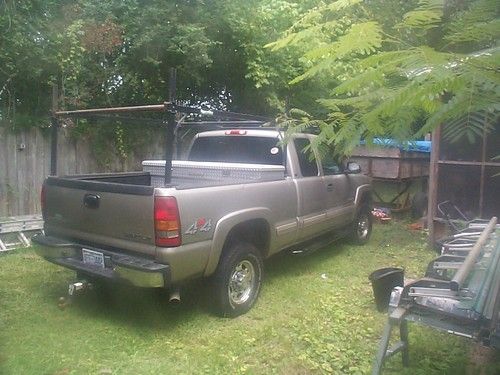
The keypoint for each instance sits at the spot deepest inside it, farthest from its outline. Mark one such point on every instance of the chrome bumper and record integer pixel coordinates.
(137, 271)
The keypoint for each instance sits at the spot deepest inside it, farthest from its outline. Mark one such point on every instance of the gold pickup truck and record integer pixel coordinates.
(241, 196)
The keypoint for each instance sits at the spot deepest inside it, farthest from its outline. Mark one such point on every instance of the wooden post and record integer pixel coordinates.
(54, 125)
(483, 168)
(433, 184)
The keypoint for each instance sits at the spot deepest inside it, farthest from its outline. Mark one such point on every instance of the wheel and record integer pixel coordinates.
(362, 226)
(238, 279)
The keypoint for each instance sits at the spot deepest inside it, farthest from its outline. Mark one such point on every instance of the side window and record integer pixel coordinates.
(307, 161)
(331, 165)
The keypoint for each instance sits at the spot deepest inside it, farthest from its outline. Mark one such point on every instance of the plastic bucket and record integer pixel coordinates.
(383, 281)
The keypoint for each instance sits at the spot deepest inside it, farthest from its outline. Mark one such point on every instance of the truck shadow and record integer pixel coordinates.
(150, 309)
(127, 306)
(286, 264)
(145, 308)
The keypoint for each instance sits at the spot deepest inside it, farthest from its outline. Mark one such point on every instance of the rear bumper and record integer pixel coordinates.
(137, 271)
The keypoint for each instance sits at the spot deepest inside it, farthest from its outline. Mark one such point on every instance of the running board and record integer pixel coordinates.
(311, 246)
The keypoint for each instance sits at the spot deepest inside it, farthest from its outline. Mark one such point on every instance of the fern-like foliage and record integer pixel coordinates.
(427, 15)
(402, 71)
(470, 127)
(480, 25)
(342, 4)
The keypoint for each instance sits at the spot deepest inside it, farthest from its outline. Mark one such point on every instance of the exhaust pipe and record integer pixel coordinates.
(175, 296)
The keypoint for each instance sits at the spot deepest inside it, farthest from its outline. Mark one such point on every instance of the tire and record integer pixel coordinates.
(238, 279)
(362, 226)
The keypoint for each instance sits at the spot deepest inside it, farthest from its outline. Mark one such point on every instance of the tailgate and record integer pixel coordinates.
(103, 214)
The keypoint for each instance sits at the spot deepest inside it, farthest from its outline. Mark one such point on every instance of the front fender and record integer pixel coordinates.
(224, 226)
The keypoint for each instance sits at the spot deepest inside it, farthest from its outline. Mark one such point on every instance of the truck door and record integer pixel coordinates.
(340, 192)
(310, 190)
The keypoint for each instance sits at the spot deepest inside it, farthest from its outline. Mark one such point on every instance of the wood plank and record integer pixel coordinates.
(22, 186)
(12, 175)
(41, 163)
(473, 163)
(3, 171)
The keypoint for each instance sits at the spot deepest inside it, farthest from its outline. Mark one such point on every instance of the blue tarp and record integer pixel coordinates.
(414, 146)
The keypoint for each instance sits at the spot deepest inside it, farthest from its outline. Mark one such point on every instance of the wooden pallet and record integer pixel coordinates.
(15, 232)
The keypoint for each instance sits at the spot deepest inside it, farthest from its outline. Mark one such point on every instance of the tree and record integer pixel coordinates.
(400, 68)
(258, 78)
(26, 63)
(119, 52)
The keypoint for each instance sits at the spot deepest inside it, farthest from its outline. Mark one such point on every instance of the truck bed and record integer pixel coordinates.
(136, 183)
(116, 209)
(185, 175)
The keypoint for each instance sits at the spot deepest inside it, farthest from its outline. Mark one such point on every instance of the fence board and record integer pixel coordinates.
(12, 184)
(22, 171)
(3, 174)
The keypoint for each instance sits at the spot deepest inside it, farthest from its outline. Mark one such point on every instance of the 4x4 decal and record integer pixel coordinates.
(200, 225)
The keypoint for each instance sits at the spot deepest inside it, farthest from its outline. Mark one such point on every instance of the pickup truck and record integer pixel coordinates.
(241, 196)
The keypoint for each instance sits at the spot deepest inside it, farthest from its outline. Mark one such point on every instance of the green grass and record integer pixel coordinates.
(315, 315)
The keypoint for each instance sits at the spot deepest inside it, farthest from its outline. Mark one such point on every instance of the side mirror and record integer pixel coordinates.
(353, 168)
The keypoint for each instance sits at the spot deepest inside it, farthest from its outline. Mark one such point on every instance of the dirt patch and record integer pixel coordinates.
(479, 357)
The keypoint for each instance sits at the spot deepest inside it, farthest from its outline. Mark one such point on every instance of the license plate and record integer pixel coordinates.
(93, 258)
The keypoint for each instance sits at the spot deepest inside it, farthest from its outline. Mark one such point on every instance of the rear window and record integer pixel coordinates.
(237, 149)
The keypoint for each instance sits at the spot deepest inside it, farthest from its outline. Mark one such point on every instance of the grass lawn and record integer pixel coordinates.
(315, 315)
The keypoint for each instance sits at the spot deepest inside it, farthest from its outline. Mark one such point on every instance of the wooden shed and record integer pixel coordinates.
(466, 174)
(395, 168)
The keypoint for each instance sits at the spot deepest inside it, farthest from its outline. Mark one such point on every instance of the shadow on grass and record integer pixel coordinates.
(142, 308)
(285, 264)
(151, 309)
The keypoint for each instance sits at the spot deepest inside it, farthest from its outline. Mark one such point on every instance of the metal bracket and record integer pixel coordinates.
(74, 289)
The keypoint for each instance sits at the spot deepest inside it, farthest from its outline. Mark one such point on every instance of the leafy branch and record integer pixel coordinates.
(391, 72)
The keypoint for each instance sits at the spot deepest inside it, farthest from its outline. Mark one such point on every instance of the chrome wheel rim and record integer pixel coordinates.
(363, 226)
(241, 283)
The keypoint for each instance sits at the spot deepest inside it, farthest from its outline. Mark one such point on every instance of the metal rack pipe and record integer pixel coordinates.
(463, 272)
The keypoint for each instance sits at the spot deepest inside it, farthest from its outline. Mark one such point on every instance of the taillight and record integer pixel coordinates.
(167, 222)
(43, 201)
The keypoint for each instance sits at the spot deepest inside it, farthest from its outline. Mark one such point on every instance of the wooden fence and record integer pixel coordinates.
(25, 163)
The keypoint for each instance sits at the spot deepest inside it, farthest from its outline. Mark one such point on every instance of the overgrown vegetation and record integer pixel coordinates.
(400, 68)
(120, 53)
(316, 315)
(355, 69)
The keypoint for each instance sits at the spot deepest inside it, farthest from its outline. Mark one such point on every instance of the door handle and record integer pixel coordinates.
(91, 200)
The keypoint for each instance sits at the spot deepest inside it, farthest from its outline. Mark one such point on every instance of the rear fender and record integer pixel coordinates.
(224, 227)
